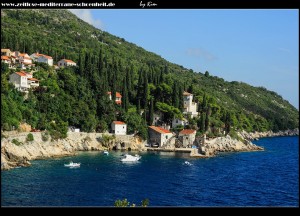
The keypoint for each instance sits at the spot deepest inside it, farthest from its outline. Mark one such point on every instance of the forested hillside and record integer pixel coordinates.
(77, 96)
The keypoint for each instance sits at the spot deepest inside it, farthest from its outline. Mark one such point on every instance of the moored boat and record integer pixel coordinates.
(71, 164)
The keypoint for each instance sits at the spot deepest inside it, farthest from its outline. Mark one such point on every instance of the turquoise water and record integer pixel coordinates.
(262, 178)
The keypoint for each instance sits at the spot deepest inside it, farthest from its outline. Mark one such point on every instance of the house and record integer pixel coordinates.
(118, 97)
(23, 81)
(189, 107)
(187, 137)
(6, 52)
(119, 128)
(6, 59)
(176, 122)
(159, 136)
(157, 119)
(65, 63)
(24, 58)
(73, 129)
(42, 58)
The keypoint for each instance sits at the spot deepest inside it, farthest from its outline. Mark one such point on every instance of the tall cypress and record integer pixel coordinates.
(125, 95)
(151, 112)
(145, 96)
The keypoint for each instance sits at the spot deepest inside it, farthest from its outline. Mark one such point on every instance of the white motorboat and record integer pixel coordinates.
(106, 153)
(187, 163)
(71, 164)
(130, 158)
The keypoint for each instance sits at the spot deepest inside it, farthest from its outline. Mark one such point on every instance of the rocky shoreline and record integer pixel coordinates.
(13, 155)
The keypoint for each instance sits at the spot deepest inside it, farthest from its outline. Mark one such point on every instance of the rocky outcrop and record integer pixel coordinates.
(16, 151)
(257, 135)
(226, 144)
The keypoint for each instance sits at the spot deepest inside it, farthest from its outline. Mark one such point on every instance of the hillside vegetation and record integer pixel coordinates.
(77, 96)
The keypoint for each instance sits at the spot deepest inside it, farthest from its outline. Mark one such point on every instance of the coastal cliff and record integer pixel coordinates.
(16, 151)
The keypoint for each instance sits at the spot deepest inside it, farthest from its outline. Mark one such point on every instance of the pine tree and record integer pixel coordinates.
(138, 107)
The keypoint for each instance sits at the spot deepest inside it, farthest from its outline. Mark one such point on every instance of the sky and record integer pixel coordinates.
(258, 47)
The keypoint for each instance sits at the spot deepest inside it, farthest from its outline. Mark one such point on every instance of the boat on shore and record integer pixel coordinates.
(130, 158)
(71, 164)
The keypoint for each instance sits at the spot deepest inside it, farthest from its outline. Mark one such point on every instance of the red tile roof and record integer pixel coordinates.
(33, 79)
(118, 122)
(117, 94)
(187, 131)
(47, 57)
(4, 58)
(21, 74)
(67, 60)
(159, 129)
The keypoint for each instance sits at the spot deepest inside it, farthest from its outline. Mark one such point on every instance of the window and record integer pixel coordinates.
(176, 121)
(123, 127)
(166, 136)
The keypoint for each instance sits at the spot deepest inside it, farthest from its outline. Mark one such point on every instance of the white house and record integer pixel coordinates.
(24, 58)
(159, 136)
(42, 58)
(118, 97)
(119, 128)
(6, 52)
(183, 122)
(23, 81)
(189, 107)
(65, 63)
(187, 137)
(6, 59)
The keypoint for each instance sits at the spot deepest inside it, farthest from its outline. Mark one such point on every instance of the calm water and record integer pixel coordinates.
(267, 178)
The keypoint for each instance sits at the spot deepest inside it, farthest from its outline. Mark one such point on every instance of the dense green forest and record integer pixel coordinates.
(148, 83)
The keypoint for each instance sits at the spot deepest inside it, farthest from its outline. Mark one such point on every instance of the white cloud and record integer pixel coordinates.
(201, 53)
(86, 15)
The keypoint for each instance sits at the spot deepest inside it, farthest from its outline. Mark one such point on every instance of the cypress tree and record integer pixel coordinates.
(145, 95)
(151, 112)
(125, 96)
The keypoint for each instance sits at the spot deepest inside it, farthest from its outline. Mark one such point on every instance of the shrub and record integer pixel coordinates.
(16, 142)
(45, 136)
(29, 137)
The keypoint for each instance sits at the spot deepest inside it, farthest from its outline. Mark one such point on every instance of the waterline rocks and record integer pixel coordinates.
(16, 151)
(227, 144)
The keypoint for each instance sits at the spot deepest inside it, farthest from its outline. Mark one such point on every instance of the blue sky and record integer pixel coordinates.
(258, 47)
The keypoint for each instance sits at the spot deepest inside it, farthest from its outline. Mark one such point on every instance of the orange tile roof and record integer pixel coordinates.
(159, 129)
(186, 93)
(45, 56)
(21, 74)
(67, 60)
(33, 79)
(187, 131)
(4, 58)
(117, 94)
(118, 122)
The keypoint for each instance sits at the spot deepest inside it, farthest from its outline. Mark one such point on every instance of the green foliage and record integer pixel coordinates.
(16, 142)
(125, 203)
(77, 96)
(29, 137)
(106, 139)
(45, 136)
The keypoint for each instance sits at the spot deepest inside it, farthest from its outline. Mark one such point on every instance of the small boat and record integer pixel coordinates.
(130, 158)
(71, 164)
(187, 163)
(106, 153)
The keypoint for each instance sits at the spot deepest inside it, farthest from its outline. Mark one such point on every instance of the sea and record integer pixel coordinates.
(268, 178)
